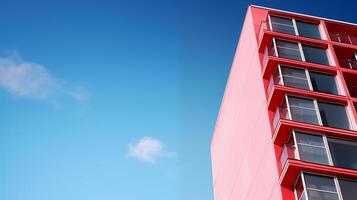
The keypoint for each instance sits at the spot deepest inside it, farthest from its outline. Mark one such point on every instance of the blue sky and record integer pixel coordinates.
(117, 99)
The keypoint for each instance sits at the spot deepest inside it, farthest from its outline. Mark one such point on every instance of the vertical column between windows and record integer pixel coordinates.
(318, 112)
(295, 27)
(301, 52)
(309, 79)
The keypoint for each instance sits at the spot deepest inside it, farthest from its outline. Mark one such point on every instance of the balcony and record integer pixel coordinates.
(280, 113)
(306, 151)
(288, 28)
(313, 152)
(347, 63)
(266, 33)
(344, 38)
(319, 186)
(268, 52)
(288, 152)
(277, 91)
(302, 78)
(285, 126)
(293, 168)
(320, 149)
(294, 53)
(342, 34)
(305, 114)
(351, 83)
(264, 26)
(347, 58)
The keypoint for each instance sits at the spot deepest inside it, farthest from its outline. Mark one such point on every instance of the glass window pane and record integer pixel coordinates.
(343, 153)
(301, 102)
(296, 83)
(288, 50)
(318, 195)
(303, 138)
(348, 189)
(295, 72)
(320, 183)
(304, 115)
(323, 83)
(283, 25)
(308, 29)
(302, 110)
(311, 148)
(315, 55)
(333, 115)
(294, 77)
(313, 154)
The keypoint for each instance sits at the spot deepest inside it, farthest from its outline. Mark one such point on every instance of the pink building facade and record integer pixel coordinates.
(287, 124)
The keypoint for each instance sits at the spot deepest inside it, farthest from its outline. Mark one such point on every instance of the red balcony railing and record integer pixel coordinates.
(347, 63)
(264, 25)
(275, 79)
(280, 113)
(344, 38)
(288, 152)
(269, 51)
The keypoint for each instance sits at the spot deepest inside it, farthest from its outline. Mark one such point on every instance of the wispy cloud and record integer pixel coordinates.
(149, 149)
(32, 80)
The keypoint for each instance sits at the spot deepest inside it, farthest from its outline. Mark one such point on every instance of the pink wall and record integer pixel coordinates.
(243, 158)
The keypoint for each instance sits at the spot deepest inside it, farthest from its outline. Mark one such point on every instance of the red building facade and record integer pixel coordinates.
(287, 124)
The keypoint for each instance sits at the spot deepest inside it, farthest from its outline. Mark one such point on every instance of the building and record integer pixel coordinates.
(287, 124)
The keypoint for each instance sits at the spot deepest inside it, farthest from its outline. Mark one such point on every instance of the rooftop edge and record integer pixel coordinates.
(312, 16)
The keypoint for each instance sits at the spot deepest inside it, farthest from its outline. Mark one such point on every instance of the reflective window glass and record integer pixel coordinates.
(309, 30)
(320, 188)
(343, 153)
(323, 83)
(288, 49)
(320, 195)
(311, 148)
(315, 55)
(348, 189)
(301, 102)
(283, 25)
(333, 115)
(303, 110)
(294, 77)
(304, 138)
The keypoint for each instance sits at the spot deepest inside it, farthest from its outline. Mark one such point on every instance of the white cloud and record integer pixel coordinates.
(148, 149)
(32, 80)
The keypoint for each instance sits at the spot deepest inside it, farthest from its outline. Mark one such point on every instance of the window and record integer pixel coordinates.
(311, 148)
(309, 30)
(303, 110)
(319, 187)
(294, 77)
(315, 55)
(288, 50)
(295, 27)
(323, 150)
(323, 83)
(343, 153)
(283, 25)
(301, 52)
(317, 112)
(348, 189)
(333, 115)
